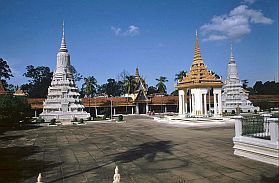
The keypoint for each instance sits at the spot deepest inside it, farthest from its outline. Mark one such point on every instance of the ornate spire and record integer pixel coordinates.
(63, 47)
(231, 58)
(197, 55)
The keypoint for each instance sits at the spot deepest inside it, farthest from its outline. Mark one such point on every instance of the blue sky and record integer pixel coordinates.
(104, 37)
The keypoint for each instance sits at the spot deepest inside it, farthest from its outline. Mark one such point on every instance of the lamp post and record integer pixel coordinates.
(111, 108)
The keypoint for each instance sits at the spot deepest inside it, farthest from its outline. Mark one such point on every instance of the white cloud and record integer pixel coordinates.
(131, 31)
(233, 25)
(249, 1)
(215, 37)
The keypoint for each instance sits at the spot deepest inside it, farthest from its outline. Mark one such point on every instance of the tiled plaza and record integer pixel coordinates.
(144, 150)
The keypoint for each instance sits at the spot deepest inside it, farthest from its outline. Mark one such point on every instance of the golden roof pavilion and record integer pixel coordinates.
(199, 76)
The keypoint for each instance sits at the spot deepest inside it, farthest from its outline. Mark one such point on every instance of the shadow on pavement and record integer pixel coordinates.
(147, 150)
(16, 167)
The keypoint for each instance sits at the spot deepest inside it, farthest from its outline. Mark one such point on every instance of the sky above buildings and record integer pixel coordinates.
(105, 37)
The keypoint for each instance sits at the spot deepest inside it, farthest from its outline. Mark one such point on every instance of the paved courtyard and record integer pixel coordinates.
(144, 150)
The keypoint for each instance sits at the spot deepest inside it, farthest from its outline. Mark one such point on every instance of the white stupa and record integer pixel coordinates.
(234, 96)
(63, 101)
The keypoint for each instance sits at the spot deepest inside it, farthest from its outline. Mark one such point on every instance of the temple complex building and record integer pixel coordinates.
(195, 86)
(63, 97)
(234, 96)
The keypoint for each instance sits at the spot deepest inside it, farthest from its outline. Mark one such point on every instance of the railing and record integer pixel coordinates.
(255, 126)
(257, 137)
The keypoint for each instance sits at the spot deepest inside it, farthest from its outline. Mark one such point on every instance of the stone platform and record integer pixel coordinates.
(144, 150)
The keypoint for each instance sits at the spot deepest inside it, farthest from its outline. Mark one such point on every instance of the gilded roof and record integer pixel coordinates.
(199, 76)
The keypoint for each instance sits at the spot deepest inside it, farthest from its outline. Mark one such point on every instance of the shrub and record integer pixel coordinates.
(255, 111)
(75, 119)
(52, 121)
(233, 111)
(81, 121)
(120, 118)
(13, 109)
(40, 120)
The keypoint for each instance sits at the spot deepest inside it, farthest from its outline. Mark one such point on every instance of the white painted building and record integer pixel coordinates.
(194, 89)
(63, 97)
(234, 96)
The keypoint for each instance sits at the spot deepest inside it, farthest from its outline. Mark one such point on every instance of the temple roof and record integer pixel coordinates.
(19, 92)
(199, 76)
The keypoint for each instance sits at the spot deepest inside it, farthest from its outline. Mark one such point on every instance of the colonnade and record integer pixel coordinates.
(196, 98)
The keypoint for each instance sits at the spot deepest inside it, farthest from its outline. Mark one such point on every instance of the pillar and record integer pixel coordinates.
(190, 102)
(137, 108)
(96, 111)
(181, 95)
(204, 104)
(132, 109)
(166, 109)
(35, 113)
(147, 108)
(114, 111)
(186, 104)
(215, 104)
(219, 103)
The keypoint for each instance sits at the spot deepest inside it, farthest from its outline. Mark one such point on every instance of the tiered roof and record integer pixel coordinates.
(199, 76)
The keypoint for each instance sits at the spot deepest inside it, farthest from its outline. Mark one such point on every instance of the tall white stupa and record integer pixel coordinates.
(63, 102)
(234, 96)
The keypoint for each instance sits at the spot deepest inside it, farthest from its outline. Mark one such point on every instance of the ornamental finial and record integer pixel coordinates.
(232, 57)
(63, 47)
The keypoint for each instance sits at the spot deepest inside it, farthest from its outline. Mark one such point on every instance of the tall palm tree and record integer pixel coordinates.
(89, 86)
(161, 87)
(180, 75)
(130, 84)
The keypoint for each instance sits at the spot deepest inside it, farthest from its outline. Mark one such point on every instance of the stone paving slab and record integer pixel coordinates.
(144, 150)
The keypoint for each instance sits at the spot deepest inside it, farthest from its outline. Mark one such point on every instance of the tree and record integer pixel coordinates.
(129, 84)
(174, 93)
(76, 76)
(89, 87)
(161, 87)
(180, 75)
(151, 90)
(111, 88)
(13, 109)
(40, 79)
(5, 72)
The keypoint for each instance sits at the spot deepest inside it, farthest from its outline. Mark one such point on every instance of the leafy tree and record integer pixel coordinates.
(174, 93)
(267, 88)
(5, 72)
(161, 87)
(77, 76)
(180, 75)
(40, 79)
(13, 109)
(89, 87)
(111, 88)
(151, 90)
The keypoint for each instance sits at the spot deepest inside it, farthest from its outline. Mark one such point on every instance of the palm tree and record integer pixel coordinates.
(130, 84)
(89, 86)
(180, 75)
(161, 87)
